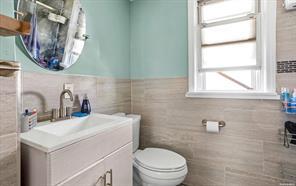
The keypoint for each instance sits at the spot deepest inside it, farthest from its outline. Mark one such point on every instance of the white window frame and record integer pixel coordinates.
(267, 52)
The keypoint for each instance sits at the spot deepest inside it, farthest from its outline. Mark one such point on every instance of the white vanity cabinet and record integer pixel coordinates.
(104, 159)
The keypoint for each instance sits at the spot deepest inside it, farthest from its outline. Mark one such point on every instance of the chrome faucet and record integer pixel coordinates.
(62, 113)
(62, 108)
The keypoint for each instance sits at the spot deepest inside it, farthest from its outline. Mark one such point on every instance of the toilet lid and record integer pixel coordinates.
(160, 159)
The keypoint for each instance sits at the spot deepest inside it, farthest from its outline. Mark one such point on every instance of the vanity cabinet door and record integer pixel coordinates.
(91, 176)
(119, 167)
(69, 160)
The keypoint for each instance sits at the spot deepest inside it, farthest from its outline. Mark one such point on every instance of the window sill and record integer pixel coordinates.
(234, 95)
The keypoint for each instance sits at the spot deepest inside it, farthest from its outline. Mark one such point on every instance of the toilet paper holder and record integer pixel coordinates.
(221, 123)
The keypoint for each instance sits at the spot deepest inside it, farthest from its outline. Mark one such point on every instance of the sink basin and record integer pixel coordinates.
(76, 125)
(50, 136)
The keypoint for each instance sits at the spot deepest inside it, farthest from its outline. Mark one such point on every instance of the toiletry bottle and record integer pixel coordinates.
(85, 108)
(293, 102)
(286, 94)
(294, 95)
(282, 93)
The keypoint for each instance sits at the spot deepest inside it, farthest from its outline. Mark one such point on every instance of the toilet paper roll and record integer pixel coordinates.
(213, 126)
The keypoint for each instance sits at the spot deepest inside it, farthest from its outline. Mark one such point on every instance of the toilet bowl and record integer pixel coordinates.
(158, 167)
(155, 166)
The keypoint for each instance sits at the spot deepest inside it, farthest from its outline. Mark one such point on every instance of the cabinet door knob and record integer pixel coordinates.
(111, 178)
(100, 179)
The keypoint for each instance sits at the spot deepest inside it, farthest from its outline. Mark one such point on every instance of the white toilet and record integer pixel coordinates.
(155, 166)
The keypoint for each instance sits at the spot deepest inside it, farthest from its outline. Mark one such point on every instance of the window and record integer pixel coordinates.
(231, 47)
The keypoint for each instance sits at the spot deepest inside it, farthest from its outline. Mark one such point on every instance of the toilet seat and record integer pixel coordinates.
(161, 175)
(160, 160)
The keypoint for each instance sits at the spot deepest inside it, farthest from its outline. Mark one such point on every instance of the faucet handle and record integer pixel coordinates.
(69, 111)
(55, 114)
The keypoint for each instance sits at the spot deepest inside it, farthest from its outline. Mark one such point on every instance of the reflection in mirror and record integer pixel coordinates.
(58, 31)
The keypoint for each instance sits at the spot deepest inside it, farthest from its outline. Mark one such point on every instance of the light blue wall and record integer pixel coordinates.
(142, 39)
(106, 53)
(158, 38)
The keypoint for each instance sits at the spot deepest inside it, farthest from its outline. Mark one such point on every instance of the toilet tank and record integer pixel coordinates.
(136, 130)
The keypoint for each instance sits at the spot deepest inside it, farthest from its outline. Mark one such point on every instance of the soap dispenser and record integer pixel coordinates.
(85, 107)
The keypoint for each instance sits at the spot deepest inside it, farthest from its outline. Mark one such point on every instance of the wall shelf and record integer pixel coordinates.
(12, 27)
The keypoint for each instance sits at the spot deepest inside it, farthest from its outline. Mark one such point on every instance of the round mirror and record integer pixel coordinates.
(58, 31)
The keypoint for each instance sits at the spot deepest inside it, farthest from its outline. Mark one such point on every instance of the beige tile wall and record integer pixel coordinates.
(248, 151)
(286, 34)
(9, 143)
(106, 95)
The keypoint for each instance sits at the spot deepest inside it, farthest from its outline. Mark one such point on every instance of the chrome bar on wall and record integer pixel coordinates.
(8, 68)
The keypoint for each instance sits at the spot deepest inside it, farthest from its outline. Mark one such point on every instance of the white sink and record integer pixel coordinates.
(50, 136)
(72, 126)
